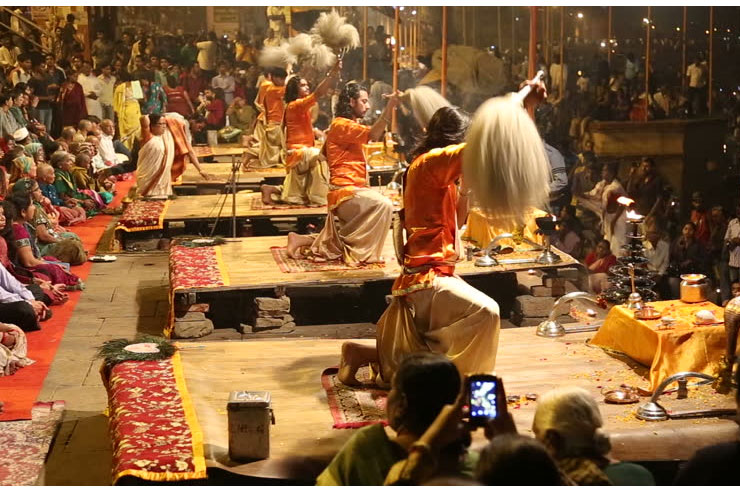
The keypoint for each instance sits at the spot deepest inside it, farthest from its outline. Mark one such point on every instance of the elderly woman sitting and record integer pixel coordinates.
(423, 384)
(568, 422)
(53, 240)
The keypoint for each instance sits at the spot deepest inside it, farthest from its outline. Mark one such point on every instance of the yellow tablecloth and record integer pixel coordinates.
(481, 229)
(686, 347)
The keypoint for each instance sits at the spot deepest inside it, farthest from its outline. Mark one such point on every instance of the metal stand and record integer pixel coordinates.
(234, 170)
(548, 256)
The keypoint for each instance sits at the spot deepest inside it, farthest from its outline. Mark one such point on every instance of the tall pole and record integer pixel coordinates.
(647, 61)
(443, 81)
(546, 44)
(561, 91)
(396, 47)
(364, 43)
(532, 69)
(711, 55)
(513, 39)
(498, 30)
(609, 39)
(465, 25)
(683, 53)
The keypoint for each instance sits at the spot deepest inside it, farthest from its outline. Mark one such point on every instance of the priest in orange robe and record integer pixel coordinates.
(267, 150)
(363, 216)
(307, 174)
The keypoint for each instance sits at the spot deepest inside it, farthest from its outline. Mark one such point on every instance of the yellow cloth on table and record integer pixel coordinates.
(481, 230)
(686, 347)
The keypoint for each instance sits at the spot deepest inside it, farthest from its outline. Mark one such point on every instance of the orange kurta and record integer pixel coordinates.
(347, 171)
(298, 128)
(430, 208)
(259, 101)
(273, 103)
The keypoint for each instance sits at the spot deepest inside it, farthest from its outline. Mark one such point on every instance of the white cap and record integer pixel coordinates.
(20, 134)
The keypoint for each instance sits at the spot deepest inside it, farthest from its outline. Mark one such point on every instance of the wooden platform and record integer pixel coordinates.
(261, 270)
(303, 441)
(357, 295)
(206, 208)
(222, 173)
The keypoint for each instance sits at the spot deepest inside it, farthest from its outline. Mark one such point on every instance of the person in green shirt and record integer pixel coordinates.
(423, 384)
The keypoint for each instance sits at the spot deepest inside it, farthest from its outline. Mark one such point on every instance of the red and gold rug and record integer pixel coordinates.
(143, 215)
(25, 444)
(354, 407)
(153, 425)
(194, 267)
(290, 265)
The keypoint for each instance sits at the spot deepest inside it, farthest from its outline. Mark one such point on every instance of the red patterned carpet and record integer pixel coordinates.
(25, 444)
(153, 426)
(354, 407)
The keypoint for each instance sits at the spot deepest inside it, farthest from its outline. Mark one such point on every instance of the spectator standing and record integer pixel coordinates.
(178, 100)
(155, 99)
(107, 85)
(225, 81)
(207, 52)
(687, 256)
(72, 102)
(41, 83)
(101, 50)
(732, 268)
(21, 73)
(700, 218)
(697, 75)
(69, 37)
(644, 187)
(193, 81)
(91, 87)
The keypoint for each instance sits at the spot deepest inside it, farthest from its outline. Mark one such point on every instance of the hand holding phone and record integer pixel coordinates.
(483, 399)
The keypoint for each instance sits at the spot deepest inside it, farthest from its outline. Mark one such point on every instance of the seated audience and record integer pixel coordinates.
(52, 239)
(13, 350)
(687, 256)
(598, 262)
(423, 384)
(568, 422)
(24, 250)
(515, 460)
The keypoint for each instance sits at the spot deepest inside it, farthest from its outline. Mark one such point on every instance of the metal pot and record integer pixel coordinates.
(694, 288)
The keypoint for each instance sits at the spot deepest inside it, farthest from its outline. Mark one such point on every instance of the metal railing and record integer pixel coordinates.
(27, 21)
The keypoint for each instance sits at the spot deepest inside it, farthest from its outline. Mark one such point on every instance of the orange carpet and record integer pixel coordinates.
(19, 391)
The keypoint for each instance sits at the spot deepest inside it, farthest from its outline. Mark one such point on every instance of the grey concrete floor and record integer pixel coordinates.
(121, 299)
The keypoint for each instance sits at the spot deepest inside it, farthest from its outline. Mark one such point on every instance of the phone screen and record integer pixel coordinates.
(483, 399)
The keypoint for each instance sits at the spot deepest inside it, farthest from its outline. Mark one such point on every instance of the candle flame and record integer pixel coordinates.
(625, 201)
(633, 216)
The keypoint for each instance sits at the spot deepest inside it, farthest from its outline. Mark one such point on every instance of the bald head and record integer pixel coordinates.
(107, 127)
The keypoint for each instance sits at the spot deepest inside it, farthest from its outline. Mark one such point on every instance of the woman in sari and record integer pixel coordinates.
(25, 251)
(63, 162)
(67, 215)
(72, 101)
(128, 111)
(38, 283)
(156, 98)
(178, 100)
(51, 238)
(22, 167)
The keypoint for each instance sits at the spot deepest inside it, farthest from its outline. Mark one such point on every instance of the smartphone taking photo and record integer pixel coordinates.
(483, 398)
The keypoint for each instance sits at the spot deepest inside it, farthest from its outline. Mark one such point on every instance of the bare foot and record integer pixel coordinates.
(295, 243)
(267, 191)
(348, 365)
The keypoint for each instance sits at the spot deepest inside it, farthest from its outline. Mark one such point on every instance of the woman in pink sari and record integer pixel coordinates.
(24, 250)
